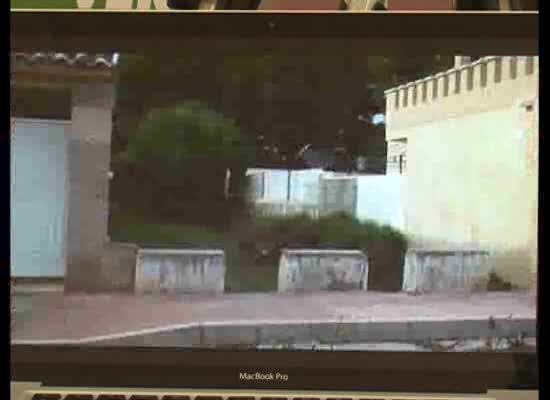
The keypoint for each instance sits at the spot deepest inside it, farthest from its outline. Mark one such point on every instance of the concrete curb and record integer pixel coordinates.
(252, 333)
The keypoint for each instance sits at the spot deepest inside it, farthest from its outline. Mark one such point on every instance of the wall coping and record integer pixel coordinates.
(482, 73)
(205, 252)
(447, 251)
(323, 252)
(442, 74)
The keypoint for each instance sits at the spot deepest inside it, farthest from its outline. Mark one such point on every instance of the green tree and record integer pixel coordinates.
(287, 97)
(179, 157)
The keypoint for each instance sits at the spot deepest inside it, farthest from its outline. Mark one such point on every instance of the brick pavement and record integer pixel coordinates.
(55, 316)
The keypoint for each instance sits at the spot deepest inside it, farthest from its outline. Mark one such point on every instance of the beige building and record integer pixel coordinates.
(466, 141)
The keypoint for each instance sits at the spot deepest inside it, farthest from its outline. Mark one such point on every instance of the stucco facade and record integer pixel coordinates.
(89, 163)
(470, 139)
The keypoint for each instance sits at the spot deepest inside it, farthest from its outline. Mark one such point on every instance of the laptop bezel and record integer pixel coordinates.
(496, 33)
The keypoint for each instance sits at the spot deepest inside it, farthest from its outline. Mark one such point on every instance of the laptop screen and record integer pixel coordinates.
(250, 194)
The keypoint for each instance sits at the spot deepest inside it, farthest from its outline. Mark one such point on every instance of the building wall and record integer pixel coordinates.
(313, 191)
(314, 270)
(275, 184)
(88, 167)
(304, 185)
(380, 198)
(38, 189)
(338, 195)
(472, 160)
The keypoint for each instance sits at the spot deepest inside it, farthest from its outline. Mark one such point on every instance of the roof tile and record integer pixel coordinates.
(77, 60)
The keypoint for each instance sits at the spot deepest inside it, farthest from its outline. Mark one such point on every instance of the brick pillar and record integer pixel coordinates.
(88, 168)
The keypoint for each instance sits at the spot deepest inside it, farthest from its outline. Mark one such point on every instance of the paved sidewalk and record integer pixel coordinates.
(57, 317)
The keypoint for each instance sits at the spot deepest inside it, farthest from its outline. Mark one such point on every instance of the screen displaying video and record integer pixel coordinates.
(271, 5)
(275, 198)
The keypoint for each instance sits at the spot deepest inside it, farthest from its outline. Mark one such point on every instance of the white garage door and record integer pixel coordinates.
(38, 197)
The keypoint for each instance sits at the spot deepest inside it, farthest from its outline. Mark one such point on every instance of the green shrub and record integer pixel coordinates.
(498, 284)
(385, 246)
(177, 161)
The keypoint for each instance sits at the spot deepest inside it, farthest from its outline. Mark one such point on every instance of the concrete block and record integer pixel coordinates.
(118, 266)
(309, 270)
(427, 271)
(179, 271)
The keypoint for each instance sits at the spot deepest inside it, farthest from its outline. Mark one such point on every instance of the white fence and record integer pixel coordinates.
(375, 197)
(272, 185)
(381, 198)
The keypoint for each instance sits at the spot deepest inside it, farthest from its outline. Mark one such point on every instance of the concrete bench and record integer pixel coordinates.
(180, 271)
(310, 270)
(434, 270)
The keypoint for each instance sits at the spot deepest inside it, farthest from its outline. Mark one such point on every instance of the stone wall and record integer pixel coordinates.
(272, 185)
(427, 271)
(266, 208)
(308, 270)
(380, 198)
(338, 194)
(315, 192)
(472, 160)
(179, 271)
(489, 83)
(118, 266)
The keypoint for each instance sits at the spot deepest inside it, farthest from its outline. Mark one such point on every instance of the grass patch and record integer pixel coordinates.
(163, 235)
(131, 228)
